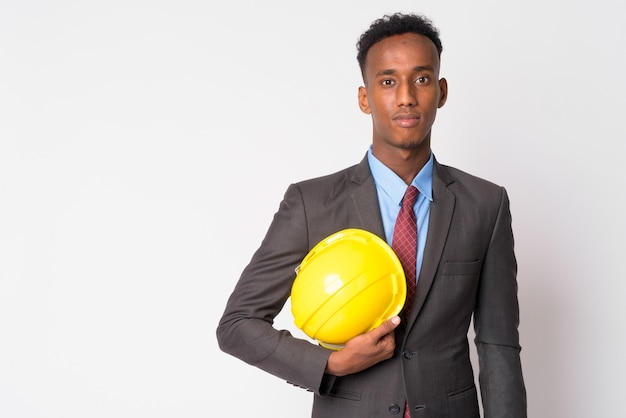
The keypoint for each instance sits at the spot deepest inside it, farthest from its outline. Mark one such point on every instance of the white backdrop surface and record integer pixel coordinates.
(129, 130)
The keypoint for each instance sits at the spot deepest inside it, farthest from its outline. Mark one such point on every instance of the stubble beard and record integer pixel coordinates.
(413, 144)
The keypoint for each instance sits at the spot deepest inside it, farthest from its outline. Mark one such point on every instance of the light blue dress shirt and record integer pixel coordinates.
(391, 188)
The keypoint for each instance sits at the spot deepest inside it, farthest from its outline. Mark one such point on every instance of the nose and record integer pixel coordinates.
(406, 95)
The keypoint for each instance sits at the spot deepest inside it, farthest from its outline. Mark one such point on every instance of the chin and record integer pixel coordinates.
(412, 144)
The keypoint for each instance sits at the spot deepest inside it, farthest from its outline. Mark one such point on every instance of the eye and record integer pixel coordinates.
(386, 82)
(422, 80)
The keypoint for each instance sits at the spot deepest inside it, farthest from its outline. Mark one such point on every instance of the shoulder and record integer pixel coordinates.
(336, 177)
(323, 190)
(464, 177)
(337, 181)
(464, 184)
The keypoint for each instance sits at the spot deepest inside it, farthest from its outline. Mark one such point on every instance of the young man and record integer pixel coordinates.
(465, 262)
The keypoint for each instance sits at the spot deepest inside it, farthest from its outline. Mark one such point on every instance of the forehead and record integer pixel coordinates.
(407, 50)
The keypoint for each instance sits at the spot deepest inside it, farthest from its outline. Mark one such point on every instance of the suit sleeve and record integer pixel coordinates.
(496, 320)
(246, 328)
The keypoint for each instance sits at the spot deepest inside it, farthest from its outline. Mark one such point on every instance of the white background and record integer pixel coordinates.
(129, 131)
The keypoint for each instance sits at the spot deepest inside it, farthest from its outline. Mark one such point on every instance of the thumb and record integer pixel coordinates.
(387, 326)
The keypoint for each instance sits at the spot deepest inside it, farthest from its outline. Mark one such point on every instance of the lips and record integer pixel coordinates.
(407, 120)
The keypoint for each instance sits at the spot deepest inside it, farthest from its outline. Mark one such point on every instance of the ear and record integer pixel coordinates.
(443, 92)
(363, 103)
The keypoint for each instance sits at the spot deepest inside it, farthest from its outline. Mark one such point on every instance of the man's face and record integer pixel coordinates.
(402, 91)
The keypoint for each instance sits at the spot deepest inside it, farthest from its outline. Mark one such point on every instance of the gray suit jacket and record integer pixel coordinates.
(469, 268)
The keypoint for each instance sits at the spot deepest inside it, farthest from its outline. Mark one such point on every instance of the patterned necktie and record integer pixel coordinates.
(405, 246)
(405, 243)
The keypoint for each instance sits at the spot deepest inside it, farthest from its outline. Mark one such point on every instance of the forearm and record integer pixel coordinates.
(501, 382)
(256, 342)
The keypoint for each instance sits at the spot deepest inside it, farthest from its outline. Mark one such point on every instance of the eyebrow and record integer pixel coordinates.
(417, 69)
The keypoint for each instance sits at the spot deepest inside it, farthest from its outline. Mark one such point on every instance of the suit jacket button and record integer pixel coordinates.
(394, 409)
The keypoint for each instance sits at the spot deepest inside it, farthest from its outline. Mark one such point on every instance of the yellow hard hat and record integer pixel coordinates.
(348, 284)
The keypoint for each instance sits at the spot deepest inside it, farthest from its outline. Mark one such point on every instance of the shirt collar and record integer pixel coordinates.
(392, 185)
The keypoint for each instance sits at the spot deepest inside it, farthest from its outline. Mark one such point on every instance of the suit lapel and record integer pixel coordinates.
(441, 210)
(365, 202)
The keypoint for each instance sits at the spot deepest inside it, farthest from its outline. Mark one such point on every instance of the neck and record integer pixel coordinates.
(406, 163)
